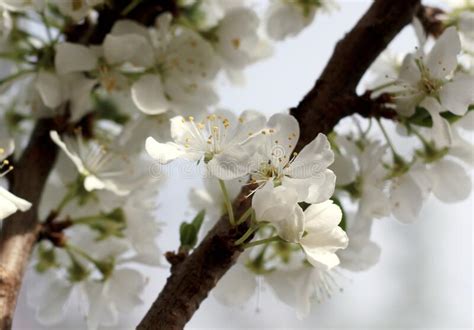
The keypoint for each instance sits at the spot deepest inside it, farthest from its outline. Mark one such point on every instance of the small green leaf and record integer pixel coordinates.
(188, 232)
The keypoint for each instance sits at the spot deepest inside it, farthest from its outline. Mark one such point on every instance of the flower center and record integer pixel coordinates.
(5, 166)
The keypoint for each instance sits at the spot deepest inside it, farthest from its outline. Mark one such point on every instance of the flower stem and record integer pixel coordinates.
(15, 76)
(383, 86)
(249, 232)
(261, 241)
(244, 217)
(387, 138)
(228, 203)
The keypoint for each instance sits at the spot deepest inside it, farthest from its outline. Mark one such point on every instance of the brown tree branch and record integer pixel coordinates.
(19, 232)
(429, 18)
(330, 100)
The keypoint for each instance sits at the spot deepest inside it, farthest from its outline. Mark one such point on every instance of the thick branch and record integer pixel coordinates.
(330, 100)
(19, 232)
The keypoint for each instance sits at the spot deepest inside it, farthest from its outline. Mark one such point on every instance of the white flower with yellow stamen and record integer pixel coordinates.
(9, 203)
(431, 81)
(101, 168)
(305, 172)
(224, 142)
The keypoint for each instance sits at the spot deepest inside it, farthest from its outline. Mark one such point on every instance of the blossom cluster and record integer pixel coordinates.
(144, 95)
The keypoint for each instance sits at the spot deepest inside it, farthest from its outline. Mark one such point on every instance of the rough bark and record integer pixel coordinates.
(19, 232)
(332, 98)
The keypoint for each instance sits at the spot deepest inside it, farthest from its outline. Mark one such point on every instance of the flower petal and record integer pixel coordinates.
(74, 58)
(128, 48)
(452, 183)
(163, 152)
(313, 159)
(237, 277)
(49, 88)
(458, 95)
(442, 60)
(148, 95)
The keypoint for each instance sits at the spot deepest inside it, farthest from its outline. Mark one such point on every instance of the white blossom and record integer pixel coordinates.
(238, 41)
(305, 172)
(288, 18)
(101, 168)
(430, 81)
(221, 140)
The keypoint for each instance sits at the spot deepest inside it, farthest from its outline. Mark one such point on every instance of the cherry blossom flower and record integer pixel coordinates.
(288, 18)
(222, 141)
(305, 172)
(101, 168)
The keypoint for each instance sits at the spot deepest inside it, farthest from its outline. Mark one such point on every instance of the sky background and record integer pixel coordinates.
(424, 277)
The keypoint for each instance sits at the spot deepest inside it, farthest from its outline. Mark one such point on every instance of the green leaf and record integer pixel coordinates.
(188, 232)
(198, 220)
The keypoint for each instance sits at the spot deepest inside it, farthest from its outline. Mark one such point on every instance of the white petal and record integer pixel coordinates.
(322, 217)
(10, 203)
(344, 169)
(279, 207)
(74, 58)
(320, 247)
(232, 164)
(148, 95)
(283, 134)
(316, 189)
(91, 183)
(313, 159)
(49, 88)
(72, 155)
(458, 95)
(237, 277)
(442, 60)
(406, 199)
(54, 299)
(441, 130)
(126, 26)
(126, 285)
(452, 183)
(163, 152)
(287, 19)
(131, 48)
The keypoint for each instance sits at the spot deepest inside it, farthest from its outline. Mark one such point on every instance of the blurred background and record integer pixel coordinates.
(424, 277)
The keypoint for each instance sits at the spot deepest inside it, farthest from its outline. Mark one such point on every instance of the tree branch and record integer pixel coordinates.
(330, 100)
(19, 232)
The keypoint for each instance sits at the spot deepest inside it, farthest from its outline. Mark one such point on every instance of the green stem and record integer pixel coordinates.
(245, 216)
(387, 138)
(132, 5)
(46, 26)
(15, 76)
(383, 86)
(67, 198)
(261, 241)
(249, 232)
(228, 203)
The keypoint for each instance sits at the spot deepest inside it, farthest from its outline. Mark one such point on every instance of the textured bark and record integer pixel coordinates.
(19, 232)
(331, 99)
